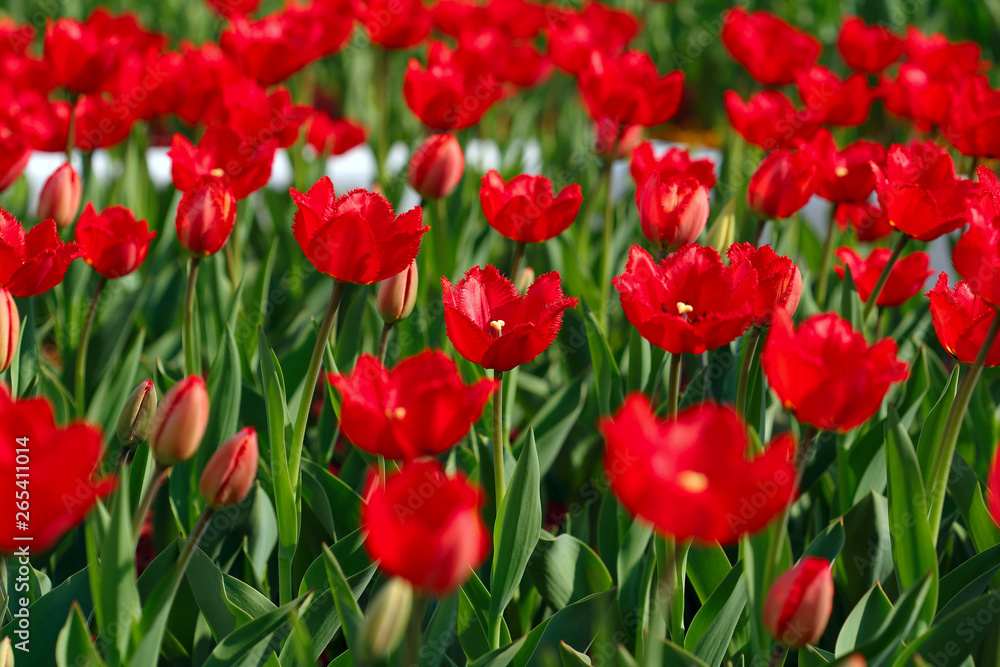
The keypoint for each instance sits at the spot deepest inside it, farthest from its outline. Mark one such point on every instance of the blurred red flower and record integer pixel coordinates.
(229, 8)
(113, 241)
(394, 24)
(258, 115)
(525, 209)
(334, 136)
(14, 154)
(783, 183)
(436, 167)
(961, 319)
(905, 281)
(867, 219)
(779, 282)
(770, 49)
(769, 119)
(35, 261)
(451, 93)
(836, 101)
(245, 162)
(629, 89)
(516, 62)
(574, 35)
(972, 124)
(868, 48)
(674, 162)
(844, 175)
(976, 257)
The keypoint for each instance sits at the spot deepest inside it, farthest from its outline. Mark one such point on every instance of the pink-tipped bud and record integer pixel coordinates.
(231, 471)
(397, 295)
(609, 134)
(436, 167)
(180, 421)
(60, 196)
(137, 415)
(525, 277)
(205, 216)
(10, 329)
(799, 604)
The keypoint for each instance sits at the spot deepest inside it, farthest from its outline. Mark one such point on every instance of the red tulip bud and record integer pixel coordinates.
(60, 197)
(180, 421)
(799, 603)
(205, 216)
(436, 167)
(672, 211)
(231, 471)
(609, 134)
(10, 329)
(397, 295)
(525, 277)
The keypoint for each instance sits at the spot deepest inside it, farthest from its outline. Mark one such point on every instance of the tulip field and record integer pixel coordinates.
(489, 333)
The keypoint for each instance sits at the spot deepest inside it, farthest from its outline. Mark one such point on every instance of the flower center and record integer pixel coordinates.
(691, 481)
(497, 326)
(683, 308)
(217, 172)
(840, 172)
(395, 413)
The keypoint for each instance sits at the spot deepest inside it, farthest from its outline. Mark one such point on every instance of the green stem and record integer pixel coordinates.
(498, 439)
(884, 276)
(495, 623)
(71, 132)
(827, 260)
(383, 341)
(515, 263)
(440, 233)
(759, 231)
(744, 380)
(159, 473)
(609, 223)
(81, 352)
(937, 485)
(192, 364)
(668, 561)
(312, 375)
(673, 384)
(382, 102)
(777, 654)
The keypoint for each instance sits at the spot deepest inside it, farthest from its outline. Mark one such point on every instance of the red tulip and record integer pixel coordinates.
(826, 374)
(258, 115)
(60, 196)
(867, 219)
(425, 526)
(690, 301)
(232, 8)
(230, 472)
(869, 48)
(993, 489)
(672, 211)
(10, 329)
(525, 210)
(961, 319)
(193, 98)
(14, 154)
(180, 421)
(334, 136)
(769, 120)
(837, 102)
(454, 17)
(114, 242)
(779, 282)
(799, 604)
(356, 238)
(492, 325)
(101, 122)
(629, 89)
(35, 261)
(905, 281)
(205, 216)
(987, 199)
(972, 124)
(844, 175)
(449, 94)
(675, 162)
(519, 63)
(782, 184)
(436, 167)
(521, 19)
(688, 475)
(397, 295)
(916, 94)
(394, 24)
(574, 35)
(44, 124)
(939, 56)
(64, 462)
(614, 140)
(919, 191)
(770, 49)
(421, 407)
(245, 162)
(976, 257)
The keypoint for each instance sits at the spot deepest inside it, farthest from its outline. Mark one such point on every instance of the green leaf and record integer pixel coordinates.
(336, 504)
(953, 638)
(675, 656)
(829, 543)
(968, 580)
(713, 626)
(473, 623)
(119, 607)
(57, 603)
(639, 360)
(575, 625)
(225, 389)
(440, 632)
(864, 559)
(565, 570)
(913, 551)
(519, 520)
(850, 302)
(707, 566)
(553, 422)
(864, 620)
(930, 431)
(73, 647)
(607, 377)
(253, 644)
(227, 603)
(350, 614)
(898, 624)
(570, 657)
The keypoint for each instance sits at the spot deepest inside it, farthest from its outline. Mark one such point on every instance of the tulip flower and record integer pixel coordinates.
(60, 196)
(333, 136)
(938, 55)
(35, 261)
(688, 474)
(672, 211)
(113, 242)
(436, 167)
(906, 278)
(14, 154)
(866, 219)
(10, 329)
(259, 115)
(64, 463)
(845, 175)
(783, 183)
(972, 124)
(629, 89)
(837, 102)
(421, 407)
(425, 526)
(206, 215)
(976, 257)
(771, 50)
(394, 24)
(356, 237)
(525, 209)
(574, 35)
(511, 61)
(180, 422)
(674, 162)
(918, 95)
(230, 472)
(779, 282)
(961, 320)
(769, 119)
(397, 295)
(450, 93)
(100, 122)
(136, 417)
(800, 602)
(246, 163)
(233, 8)
(490, 324)
(986, 200)
(826, 373)
(690, 301)
(613, 141)
(868, 48)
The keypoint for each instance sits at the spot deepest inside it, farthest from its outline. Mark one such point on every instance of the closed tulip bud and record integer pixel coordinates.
(387, 618)
(397, 295)
(60, 196)
(231, 471)
(6, 653)
(180, 422)
(137, 415)
(799, 604)
(437, 166)
(10, 329)
(205, 216)
(672, 211)
(525, 277)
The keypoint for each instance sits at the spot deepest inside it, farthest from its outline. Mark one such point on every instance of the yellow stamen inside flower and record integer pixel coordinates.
(691, 481)
(497, 326)
(397, 413)
(683, 308)
(840, 172)
(217, 172)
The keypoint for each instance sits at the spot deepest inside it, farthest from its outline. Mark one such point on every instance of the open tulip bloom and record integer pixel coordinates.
(688, 363)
